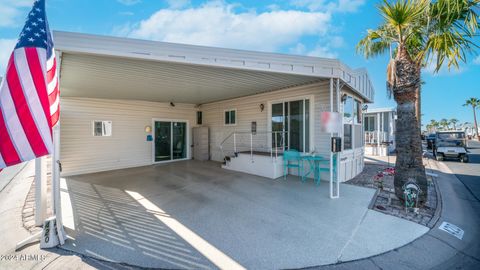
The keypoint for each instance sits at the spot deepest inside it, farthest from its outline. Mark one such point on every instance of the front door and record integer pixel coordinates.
(170, 140)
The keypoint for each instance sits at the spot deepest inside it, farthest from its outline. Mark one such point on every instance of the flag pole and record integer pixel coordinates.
(57, 202)
(56, 169)
(40, 191)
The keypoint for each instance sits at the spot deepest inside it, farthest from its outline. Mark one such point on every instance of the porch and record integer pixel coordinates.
(195, 215)
(379, 134)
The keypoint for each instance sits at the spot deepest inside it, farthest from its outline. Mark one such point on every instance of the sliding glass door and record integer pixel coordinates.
(292, 119)
(170, 140)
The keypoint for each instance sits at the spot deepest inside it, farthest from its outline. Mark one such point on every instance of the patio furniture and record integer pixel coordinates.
(292, 159)
(314, 161)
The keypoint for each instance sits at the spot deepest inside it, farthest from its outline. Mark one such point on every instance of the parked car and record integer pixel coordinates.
(450, 144)
(431, 140)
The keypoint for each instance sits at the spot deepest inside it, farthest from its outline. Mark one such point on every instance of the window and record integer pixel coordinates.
(347, 137)
(230, 117)
(291, 125)
(348, 110)
(347, 123)
(102, 128)
(199, 118)
(357, 112)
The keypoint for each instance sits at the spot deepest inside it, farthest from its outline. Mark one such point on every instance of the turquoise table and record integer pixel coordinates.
(314, 162)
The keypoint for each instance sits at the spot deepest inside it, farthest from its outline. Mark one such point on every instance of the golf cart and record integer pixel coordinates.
(450, 144)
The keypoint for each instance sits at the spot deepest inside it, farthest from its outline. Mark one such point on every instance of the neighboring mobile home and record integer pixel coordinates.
(128, 103)
(379, 126)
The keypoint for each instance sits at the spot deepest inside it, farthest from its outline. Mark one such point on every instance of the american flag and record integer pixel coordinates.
(29, 93)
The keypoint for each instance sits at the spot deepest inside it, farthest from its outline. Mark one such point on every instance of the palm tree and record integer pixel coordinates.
(454, 122)
(444, 124)
(429, 128)
(417, 33)
(434, 124)
(474, 102)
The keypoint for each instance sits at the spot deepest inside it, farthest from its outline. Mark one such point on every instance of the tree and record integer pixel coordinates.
(444, 124)
(434, 124)
(454, 122)
(418, 33)
(474, 102)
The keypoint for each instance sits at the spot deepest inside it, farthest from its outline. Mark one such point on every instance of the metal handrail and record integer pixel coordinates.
(252, 134)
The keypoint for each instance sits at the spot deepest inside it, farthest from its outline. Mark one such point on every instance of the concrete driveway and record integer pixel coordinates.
(195, 215)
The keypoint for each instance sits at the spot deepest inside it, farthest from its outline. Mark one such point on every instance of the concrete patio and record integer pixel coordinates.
(195, 215)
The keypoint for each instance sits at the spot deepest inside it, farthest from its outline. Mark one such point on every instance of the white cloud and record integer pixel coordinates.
(270, 30)
(6, 48)
(129, 2)
(329, 5)
(320, 50)
(12, 12)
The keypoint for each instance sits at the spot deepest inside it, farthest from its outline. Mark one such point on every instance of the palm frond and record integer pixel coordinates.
(451, 36)
(376, 42)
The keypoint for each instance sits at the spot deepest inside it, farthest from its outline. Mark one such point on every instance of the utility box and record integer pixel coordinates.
(336, 144)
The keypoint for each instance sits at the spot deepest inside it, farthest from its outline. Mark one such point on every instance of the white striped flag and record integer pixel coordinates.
(29, 93)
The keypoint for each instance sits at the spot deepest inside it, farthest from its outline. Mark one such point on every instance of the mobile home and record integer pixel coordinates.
(128, 103)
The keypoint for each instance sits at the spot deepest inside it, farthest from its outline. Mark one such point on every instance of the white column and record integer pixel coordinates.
(378, 134)
(40, 190)
(331, 135)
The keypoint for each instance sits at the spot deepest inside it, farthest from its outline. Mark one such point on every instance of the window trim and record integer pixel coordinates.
(236, 117)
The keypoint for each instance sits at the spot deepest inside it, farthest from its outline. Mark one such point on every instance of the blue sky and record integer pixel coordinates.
(325, 28)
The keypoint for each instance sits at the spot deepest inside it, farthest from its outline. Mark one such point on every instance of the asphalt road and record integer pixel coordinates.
(468, 173)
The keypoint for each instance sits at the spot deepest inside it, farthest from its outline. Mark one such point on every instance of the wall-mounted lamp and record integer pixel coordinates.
(262, 107)
(344, 97)
(364, 107)
(172, 104)
(148, 129)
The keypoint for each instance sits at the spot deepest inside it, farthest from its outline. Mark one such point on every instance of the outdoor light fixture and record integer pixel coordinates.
(344, 97)
(262, 107)
(172, 104)
(364, 107)
(148, 129)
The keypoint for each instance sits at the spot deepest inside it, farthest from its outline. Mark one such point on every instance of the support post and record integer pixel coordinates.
(334, 182)
(235, 143)
(251, 146)
(378, 134)
(40, 191)
(331, 135)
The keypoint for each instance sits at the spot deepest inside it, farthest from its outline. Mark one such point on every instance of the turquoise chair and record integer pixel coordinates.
(292, 159)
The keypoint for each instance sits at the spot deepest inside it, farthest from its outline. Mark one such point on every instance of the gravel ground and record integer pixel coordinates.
(386, 202)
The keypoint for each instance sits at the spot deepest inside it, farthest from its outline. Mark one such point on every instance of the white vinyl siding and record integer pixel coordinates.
(127, 147)
(248, 111)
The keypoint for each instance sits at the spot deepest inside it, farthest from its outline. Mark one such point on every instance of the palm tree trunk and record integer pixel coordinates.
(418, 103)
(475, 121)
(409, 163)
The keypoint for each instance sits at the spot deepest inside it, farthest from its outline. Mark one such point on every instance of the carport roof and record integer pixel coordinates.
(123, 68)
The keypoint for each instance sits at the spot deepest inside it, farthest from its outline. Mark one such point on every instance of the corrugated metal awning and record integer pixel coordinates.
(95, 76)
